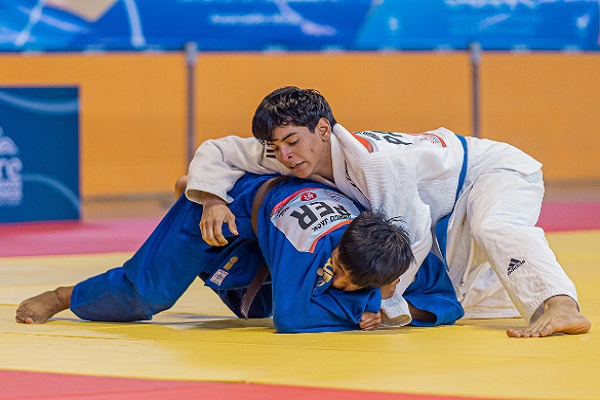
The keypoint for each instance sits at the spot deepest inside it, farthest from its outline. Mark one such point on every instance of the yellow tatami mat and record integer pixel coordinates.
(199, 340)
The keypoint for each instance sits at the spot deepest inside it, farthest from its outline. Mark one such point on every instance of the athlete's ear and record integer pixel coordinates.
(323, 129)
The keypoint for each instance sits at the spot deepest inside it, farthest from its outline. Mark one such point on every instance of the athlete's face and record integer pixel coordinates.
(341, 277)
(304, 152)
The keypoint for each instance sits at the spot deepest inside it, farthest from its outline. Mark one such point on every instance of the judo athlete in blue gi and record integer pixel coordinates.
(300, 224)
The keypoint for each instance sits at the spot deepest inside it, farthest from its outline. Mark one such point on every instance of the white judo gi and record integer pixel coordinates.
(415, 177)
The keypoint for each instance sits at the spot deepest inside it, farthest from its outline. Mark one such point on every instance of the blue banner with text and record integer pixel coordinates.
(39, 154)
(298, 25)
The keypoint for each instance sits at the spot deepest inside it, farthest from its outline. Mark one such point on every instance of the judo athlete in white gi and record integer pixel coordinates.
(313, 286)
(485, 195)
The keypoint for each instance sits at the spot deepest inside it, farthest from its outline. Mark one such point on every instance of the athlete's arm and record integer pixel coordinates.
(431, 297)
(215, 168)
(334, 310)
(219, 163)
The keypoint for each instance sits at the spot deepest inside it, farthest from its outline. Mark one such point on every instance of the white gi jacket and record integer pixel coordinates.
(415, 177)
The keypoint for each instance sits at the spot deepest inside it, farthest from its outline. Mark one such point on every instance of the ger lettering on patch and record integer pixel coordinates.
(219, 276)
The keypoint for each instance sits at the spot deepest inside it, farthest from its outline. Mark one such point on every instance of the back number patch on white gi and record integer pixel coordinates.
(381, 140)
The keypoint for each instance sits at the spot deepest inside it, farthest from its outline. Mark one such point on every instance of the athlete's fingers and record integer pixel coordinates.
(367, 325)
(212, 232)
(364, 324)
(376, 324)
(207, 235)
(365, 320)
(207, 228)
(212, 220)
(231, 223)
(226, 217)
(210, 236)
(370, 321)
(218, 234)
(373, 325)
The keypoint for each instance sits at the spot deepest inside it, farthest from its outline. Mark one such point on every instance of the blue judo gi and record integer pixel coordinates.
(300, 222)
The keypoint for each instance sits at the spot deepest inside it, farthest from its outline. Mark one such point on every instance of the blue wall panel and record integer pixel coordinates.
(39, 154)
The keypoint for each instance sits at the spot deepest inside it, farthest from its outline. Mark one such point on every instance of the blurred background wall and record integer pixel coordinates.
(133, 107)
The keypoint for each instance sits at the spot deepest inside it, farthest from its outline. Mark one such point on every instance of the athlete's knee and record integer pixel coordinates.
(151, 302)
(489, 230)
(146, 299)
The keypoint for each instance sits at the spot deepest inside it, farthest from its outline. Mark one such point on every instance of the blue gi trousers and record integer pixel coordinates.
(165, 266)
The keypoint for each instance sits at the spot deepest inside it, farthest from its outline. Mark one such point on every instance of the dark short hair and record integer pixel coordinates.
(290, 105)
(374, 250)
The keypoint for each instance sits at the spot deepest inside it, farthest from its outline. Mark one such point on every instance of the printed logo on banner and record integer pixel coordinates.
(39, 154)
(307, 215)
(11, 180)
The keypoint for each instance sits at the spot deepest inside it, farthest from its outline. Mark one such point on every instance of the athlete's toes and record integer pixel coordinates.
(20, 316)
(514, 333)
(547, 331)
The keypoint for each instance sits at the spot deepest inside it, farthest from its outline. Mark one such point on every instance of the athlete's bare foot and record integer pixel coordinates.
(560, 316)
(38, 309)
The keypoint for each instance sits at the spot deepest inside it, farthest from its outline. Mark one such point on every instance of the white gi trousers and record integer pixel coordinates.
(497, 257)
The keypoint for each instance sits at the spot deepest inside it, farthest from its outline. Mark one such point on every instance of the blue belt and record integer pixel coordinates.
(441, 228)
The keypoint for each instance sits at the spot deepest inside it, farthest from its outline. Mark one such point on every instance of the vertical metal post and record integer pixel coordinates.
(475, 49)
(191, 53)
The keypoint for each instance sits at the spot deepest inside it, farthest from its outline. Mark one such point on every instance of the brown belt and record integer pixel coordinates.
(263, 271)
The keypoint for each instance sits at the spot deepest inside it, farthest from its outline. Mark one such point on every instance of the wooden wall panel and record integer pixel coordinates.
(547, 105)
(133, 106)
(132, 116)
(411, 92)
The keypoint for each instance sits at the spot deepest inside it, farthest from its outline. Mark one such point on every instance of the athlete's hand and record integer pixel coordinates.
(370, 321)
(387, 291)
(215, 214)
